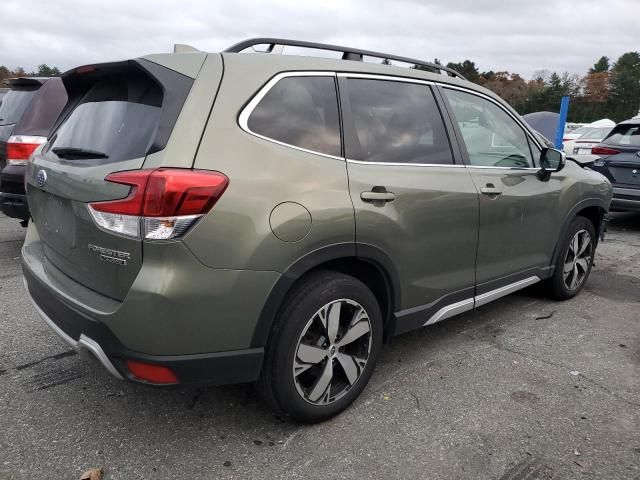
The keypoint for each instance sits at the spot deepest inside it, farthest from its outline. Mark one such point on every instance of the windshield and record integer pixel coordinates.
(13, 104)
(580, 131)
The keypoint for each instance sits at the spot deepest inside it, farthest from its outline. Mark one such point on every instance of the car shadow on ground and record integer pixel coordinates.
(241, 406)
(223, 410)
(625, 221)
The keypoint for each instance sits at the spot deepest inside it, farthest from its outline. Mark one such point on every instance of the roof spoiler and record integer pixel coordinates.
(26, 81)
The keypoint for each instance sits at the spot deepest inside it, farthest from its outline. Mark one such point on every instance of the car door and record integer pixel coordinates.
(412, 200)
(519, 214)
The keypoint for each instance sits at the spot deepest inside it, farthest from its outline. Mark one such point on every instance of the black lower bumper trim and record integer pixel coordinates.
(14, 205)
(221, 368)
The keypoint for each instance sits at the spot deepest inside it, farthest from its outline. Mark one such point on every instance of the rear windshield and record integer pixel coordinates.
(596, 134)
(625, 135)
(580, 131)
(115, 119)
(14, 103)
(43, 111)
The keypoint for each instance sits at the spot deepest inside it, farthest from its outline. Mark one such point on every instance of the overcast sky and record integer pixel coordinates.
(521, 36)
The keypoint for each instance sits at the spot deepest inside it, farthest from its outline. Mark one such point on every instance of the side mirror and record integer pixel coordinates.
(551, 160)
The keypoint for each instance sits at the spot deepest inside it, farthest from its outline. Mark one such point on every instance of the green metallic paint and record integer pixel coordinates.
(206, 293)
(175, 306)
(186, 63)
(429, 231)
(263, 174)
(187, 132)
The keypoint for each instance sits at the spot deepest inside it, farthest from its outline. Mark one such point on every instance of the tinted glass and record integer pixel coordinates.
(491, 136)
(300, 111)
(14, 103)
(117, 117)
(625, 135)
(394, 122)
(43, 110)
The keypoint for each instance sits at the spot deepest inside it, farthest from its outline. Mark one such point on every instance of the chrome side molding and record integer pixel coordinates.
(451, 310)
(479, 300)
(506, 290)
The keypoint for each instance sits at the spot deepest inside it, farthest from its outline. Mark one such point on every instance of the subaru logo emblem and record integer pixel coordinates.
(41, 178)
(638, 153)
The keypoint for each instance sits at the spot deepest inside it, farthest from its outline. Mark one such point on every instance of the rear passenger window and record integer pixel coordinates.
(302, 112)
(394, 122)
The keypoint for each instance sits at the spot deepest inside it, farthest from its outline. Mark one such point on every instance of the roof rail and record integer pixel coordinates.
(348, 53)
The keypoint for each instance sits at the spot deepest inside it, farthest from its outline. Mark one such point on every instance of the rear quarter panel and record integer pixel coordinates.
(237, 233)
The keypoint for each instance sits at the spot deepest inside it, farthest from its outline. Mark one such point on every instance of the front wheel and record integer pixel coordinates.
(575, 260)
(323, 348)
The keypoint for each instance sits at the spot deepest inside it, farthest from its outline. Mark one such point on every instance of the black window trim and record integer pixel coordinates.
(245, 113)
(463, 147)
(441, 100)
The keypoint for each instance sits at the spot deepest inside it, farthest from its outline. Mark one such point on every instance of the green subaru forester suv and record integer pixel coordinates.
(254, 217)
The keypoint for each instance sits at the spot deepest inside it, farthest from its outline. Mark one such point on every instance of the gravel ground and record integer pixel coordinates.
(523, 388)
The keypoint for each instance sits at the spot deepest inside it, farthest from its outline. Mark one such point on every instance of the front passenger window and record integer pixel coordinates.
(492, 137)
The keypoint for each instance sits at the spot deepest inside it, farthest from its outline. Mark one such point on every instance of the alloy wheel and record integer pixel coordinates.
(332, 352)
(576, 262)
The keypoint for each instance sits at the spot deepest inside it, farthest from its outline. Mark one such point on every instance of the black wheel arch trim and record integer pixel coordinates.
(573, 213)
(364, 252)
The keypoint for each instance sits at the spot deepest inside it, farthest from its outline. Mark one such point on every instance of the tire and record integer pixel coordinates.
(297, 358)
(568, 282)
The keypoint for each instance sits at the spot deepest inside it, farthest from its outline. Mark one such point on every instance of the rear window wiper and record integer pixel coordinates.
(72, 152)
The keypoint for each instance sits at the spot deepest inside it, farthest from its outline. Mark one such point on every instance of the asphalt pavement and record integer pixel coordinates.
(523, 388)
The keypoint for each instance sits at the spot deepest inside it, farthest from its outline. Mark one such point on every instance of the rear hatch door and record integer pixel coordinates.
(116, 115)
(624, 166)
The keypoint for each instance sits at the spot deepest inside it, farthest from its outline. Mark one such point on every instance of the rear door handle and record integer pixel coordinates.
(490, 190)
(380, 196)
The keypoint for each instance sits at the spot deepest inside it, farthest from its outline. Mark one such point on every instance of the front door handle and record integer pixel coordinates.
(490, 190)
(377, 196)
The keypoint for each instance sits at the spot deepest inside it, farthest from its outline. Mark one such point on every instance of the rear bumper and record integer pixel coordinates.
(13, 200)
(626, 199)
(14, 205)
(87, 335)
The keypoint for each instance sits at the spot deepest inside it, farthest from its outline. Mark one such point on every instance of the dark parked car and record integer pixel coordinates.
(620, 162)
(27, 113)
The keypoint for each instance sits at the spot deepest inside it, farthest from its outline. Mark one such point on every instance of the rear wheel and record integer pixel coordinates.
(575, 260)
(323, 349)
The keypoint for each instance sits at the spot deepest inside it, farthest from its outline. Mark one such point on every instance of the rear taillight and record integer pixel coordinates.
(162, 204)
(20, 148)
(604, 151)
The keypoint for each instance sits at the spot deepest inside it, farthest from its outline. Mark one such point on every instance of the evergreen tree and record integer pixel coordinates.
(467, 69)
(45, 70)
(600, 66)
(624, 99)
